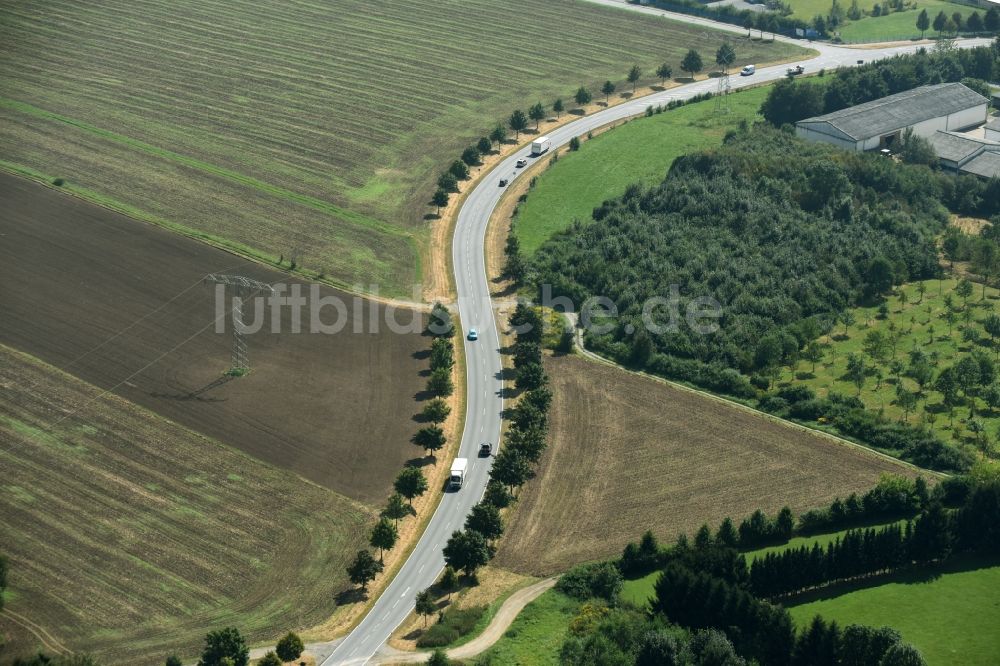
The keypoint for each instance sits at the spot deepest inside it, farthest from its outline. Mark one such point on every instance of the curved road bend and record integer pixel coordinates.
(484, 401)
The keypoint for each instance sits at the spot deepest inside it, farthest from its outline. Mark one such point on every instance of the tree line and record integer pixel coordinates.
(778, 19)
(975, 23)
(701, 596)
(914, 443)
(893, 497)
(763, 632)
(837, 15)
(859, 553)
(411, 482)
(935, 535)
(789, 101)
(43, 659)
(524, 443)
(773, 22)
(707, 593)
(702, 613)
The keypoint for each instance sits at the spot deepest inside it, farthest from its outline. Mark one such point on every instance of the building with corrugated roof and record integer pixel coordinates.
(992, 129)
(967, 154)
(986, 164)
(879, 124)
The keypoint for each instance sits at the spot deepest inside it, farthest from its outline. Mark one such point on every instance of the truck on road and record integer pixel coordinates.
(457, 477)
(540, 145)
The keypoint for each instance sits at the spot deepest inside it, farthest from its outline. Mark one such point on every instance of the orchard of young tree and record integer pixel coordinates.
(786, 237)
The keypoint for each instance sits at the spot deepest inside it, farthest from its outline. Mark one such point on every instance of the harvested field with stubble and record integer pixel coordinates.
(628, 453)
(130, 536)
(292, 126)
(122, 306)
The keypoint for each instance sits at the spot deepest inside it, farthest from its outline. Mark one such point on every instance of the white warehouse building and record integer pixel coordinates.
(948, 107)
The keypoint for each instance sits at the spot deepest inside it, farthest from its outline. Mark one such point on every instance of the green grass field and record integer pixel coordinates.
(920, 324)
(301, 129)
(901, 25)
(951, 617)
(537, 634)
(640, 590)
(890, 27)
(640, 151)
(807, 9)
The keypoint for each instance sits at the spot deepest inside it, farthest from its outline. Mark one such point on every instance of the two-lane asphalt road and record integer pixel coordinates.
(484, 402)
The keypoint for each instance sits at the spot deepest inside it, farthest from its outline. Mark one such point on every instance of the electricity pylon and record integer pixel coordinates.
(722, 93)
(243, 289)
(723, 90)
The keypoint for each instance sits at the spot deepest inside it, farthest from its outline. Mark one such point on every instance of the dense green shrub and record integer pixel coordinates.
(455, 623)
(782, 234)
(847, 414)
(773, 404)
(438, 635)
(602, 580)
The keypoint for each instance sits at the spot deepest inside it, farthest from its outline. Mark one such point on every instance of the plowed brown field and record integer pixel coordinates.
(122, 306)
(628, 453)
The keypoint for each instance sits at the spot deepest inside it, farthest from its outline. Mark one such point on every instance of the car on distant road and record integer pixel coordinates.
(748, 70)
(485, 450)
(503, 181)
(522, 163)
(473, 334)
(792, 71)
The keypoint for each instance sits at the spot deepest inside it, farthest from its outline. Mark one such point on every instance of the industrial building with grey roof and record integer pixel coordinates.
(943, 114)
(879, 123)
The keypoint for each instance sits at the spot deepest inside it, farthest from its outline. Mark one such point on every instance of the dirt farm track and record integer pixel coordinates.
(121, 305)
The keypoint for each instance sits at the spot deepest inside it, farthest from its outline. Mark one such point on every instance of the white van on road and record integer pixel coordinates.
(748, 70)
